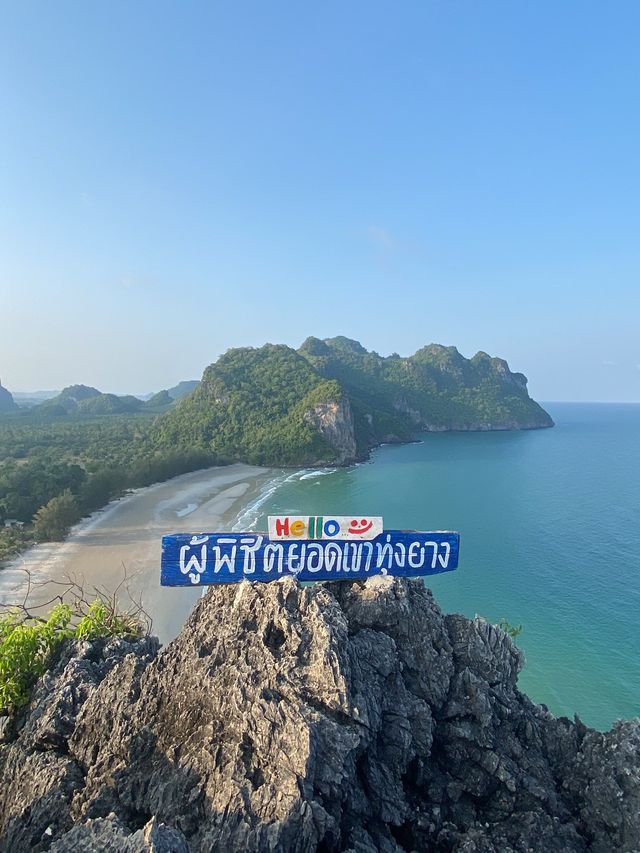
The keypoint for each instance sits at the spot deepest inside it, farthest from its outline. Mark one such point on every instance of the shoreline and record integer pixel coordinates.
(127, 533)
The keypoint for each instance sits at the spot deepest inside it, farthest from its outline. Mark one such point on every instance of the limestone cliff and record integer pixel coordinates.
(340, 717)
(334, 420)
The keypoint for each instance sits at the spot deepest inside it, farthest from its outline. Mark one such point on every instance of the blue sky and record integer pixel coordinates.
(180, 178)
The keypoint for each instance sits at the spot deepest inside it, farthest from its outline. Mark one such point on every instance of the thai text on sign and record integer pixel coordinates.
(211, 558)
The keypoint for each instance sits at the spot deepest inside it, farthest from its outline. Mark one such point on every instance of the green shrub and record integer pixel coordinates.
(53, 520)
(29, 644)
(512, 630)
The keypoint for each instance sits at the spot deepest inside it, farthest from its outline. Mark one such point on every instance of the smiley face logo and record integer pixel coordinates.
(358, 528)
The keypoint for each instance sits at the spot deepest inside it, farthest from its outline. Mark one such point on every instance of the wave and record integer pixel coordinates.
(247, 518)
(322, 473)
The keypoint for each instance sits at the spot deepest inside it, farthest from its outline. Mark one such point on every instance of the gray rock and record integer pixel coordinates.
(334, 717)
(108, 835)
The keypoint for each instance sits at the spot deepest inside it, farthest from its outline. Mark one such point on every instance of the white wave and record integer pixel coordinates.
(249, 515)
(321, 473)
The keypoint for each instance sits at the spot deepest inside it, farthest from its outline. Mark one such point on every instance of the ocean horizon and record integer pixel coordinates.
(549, 539)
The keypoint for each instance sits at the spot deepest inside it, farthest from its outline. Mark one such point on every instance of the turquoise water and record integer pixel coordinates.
(550, 538)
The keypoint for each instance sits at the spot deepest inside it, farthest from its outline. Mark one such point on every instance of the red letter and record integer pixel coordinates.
(282, 528)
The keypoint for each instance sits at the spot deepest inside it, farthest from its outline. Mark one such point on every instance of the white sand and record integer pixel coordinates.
(128, 532)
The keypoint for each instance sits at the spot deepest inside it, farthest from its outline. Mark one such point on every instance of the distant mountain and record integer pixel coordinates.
(331, 401)
(109, 404)
(85, 400)
(159, 400)
(7, 403)
(180, 390)
(183, 388)
(27, 399)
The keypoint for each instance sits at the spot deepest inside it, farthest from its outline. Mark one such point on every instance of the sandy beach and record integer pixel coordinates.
(128, 533)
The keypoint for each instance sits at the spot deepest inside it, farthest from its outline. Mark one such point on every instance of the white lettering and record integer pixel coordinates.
(193, 568)
(221, 560)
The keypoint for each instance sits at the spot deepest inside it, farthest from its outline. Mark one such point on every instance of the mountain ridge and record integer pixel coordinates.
(87, 400)
(331, 401)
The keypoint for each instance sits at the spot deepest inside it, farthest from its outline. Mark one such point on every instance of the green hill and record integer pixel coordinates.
(253, 405)
(183, 388)
(332, 400)
(85, 400)
(436, 389)
(161, 400)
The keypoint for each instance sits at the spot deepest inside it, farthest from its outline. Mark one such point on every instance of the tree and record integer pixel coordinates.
(53, 520)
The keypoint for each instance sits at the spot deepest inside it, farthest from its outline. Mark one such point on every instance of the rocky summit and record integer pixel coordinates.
(335, 717)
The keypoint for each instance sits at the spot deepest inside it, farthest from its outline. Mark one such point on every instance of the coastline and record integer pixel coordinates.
(128, 532)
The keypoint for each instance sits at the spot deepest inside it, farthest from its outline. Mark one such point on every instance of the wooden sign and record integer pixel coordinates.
(324, 527)
(210, 558)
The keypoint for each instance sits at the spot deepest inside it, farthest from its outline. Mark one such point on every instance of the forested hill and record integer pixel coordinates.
(256, 405)
(332, 400)
(85, 400)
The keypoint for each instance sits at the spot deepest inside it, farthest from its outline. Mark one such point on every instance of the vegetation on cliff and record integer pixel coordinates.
(251, 404)
(30, 642)
(250, 407)
(347, 717)
(435, 389)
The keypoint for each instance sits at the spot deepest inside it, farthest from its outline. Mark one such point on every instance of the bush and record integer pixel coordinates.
(26, 650)
(512, 630)
(53, 520)
(30, 644)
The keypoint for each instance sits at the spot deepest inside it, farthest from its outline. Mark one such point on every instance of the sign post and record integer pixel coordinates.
(312, 548)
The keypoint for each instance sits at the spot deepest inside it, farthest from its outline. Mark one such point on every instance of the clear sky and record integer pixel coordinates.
(180, 178)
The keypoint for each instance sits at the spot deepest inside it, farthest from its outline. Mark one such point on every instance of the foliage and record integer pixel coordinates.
(29, 644)
(95, 458)
(512, 630)
(250, 407)
(13, 540)
(52, 522)
(26, 650)
(436, 388)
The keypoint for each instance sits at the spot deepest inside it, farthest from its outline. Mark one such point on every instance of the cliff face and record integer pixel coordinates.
(7, 403)
(337, 717)
(334, 420)
(435, 389)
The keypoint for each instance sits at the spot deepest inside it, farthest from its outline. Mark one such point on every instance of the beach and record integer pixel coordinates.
(127, 534)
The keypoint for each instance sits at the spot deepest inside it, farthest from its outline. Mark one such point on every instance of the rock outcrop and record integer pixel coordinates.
(334, 421)
(7, 403)
(338, 717)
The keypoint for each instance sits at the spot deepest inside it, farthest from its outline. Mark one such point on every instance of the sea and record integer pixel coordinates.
(550, 540)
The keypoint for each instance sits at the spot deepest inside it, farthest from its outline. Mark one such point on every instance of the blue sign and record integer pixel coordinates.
(209, 558)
